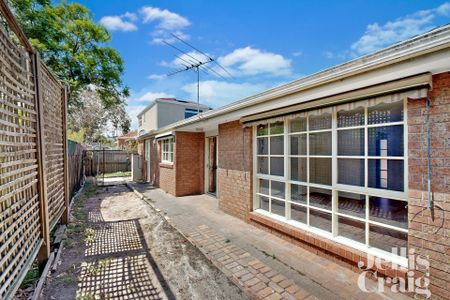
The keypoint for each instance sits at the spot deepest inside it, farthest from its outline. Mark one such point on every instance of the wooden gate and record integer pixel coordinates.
(33, 155)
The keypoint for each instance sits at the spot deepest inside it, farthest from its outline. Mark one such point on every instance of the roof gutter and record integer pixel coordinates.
(428, 42)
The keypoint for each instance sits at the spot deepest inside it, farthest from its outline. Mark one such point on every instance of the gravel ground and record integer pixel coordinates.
(118, 247)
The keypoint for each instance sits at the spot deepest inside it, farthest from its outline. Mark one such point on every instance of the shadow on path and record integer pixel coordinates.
(118, 263)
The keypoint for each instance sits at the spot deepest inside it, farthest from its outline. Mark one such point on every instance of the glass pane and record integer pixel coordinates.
(320, 122)
(348, 118)
(277, 189)
(264, 186)
(298, 144)
(277, 166)
(320, 198)
(298, 169)
(278, 207)
(352, 229)
(352, 204)
(386, 141)
(298, 213)
(320, 143)
(276, 128)
(386, 174)
(388, 211)
(262, 130)
(385, 113)
(351, 171)
(263, 165)
(298, 124)
(351, 142)
(320, 170)
(320, 219)
(298, 193)
(264, 203)
(277, 145)
(386, 239)
(263, 146)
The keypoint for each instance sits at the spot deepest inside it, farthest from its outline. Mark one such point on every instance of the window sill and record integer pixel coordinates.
(166, 165)
(320, 238)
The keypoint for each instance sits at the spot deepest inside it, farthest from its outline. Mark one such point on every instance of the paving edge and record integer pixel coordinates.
(248, 285)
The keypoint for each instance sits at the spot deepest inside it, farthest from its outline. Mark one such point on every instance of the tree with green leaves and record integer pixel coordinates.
(75, 47)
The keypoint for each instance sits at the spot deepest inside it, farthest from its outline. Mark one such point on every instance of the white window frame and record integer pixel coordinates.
(167, 150)
(335, 187)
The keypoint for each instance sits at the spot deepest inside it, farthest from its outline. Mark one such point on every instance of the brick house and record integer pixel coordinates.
(351, 161)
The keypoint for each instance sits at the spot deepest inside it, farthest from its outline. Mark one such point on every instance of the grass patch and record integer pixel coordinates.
(32, 276)
(115, 174)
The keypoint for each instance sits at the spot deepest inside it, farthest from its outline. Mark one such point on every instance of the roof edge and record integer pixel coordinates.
(430, 41)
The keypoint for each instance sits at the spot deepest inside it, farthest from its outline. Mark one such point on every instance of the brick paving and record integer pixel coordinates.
(258, 280)
(270, 267)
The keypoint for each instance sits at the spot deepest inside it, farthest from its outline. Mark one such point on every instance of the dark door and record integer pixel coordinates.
(212, 164)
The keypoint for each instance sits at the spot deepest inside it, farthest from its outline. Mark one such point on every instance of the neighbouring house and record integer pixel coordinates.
(123, 140)
(164, 111)
(338, 162)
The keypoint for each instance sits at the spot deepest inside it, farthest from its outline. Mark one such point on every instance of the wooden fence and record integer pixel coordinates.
(34, 190)
(107, 161)
(76, 153)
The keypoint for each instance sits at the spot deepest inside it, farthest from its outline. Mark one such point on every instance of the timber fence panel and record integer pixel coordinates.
(76, 154)
(53, 137)
(20, 234)
(33, 160)
(107, 161)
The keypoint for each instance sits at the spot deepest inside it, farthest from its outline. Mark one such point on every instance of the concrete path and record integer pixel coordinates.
(118, 247)
(294, 272)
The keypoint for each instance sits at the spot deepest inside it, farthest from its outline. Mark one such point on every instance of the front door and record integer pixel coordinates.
(212, 165)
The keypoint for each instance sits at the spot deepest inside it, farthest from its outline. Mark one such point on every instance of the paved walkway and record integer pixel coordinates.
(262, 264)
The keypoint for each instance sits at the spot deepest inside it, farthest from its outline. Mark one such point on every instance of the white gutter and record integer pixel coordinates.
(431, 41)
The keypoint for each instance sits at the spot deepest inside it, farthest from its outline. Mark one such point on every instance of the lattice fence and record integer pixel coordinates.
(54, 141)
(33, 188)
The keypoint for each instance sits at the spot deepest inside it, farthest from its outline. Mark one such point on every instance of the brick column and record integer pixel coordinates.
(235, 169)
(429, 229)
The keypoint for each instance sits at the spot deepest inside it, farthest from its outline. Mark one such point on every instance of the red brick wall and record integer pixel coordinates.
(429, 230)
(235, 169)
(167, 171)
(189, 156)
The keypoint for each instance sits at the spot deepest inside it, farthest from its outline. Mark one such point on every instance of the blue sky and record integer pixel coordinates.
(262, 43)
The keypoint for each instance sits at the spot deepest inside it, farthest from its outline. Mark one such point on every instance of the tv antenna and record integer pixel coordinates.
(190, 62)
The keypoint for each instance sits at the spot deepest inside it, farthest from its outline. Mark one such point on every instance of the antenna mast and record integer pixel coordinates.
(192, 63)
(189, 65)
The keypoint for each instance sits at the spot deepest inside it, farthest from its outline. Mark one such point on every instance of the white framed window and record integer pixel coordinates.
(339, 171)
(167, 150)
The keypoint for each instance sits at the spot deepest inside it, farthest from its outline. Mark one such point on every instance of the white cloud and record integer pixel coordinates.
(251, 61)
(167, 20)
(297, 53)
(218, 93)
(150, 96)
(161, 36)
(130, 16)
(157, 76)
(166, 23)
(379, 36)
(119, 23)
